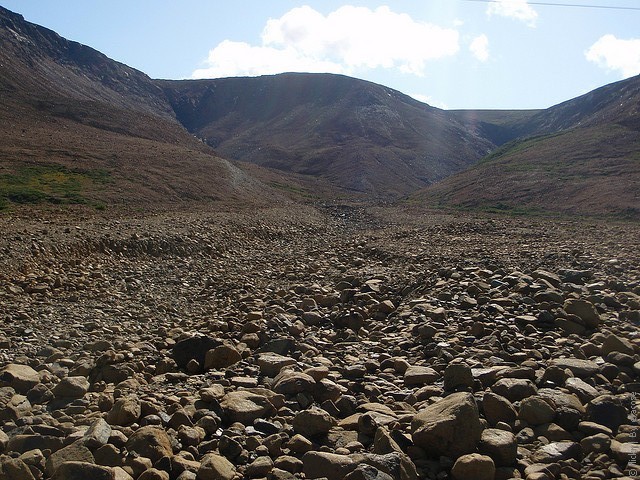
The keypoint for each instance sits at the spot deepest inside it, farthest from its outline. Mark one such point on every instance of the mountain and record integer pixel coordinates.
(579, 157)
(357, 134)
(80, 127)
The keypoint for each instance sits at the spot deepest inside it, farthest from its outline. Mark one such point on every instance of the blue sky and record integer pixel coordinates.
(503, 54)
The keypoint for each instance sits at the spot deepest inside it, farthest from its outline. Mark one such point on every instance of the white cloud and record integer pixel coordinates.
(345, 41)
(230, 59)
(516, 9)
(616, 54)
(480, 47)
(429, 100)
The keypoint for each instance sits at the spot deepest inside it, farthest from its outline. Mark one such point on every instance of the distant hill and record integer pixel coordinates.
(579, 157)
(80, 127)
(357, 134)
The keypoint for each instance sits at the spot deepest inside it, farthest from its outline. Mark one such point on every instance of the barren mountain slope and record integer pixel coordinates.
(79, 127)
(357, 134)
(583, 157)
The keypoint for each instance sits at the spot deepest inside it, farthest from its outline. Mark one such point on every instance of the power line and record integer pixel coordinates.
(574, 5)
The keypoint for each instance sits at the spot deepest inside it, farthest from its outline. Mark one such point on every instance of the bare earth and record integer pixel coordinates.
(365, 342)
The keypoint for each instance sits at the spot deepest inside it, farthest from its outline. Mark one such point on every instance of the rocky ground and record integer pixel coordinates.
(342, 342)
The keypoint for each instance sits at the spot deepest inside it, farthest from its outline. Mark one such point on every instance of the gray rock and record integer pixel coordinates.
(98, 434)
(580, 368)
(556, 452)
(271, 363)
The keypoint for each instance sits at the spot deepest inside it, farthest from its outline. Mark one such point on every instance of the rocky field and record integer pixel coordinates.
(340, 342)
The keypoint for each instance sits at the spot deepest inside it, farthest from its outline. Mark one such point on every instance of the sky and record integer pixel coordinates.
(452, 54)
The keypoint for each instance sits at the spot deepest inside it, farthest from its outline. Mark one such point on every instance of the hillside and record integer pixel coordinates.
(79, 127)
(357, 134)
(579, 157)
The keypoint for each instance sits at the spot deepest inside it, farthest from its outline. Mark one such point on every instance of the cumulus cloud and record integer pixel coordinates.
(230, 59)
(347, 40)
(615, 54)
(479, 46)
(429, 100)
(516, 9)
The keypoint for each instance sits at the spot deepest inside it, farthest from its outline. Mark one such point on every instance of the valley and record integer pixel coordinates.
(310, 276)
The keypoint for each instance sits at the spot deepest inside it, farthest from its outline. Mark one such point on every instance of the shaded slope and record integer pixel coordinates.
(65, 104)
(584, 158)
(357, 134)
(498, 126)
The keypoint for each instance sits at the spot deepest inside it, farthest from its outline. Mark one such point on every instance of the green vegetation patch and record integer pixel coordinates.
(53, 184)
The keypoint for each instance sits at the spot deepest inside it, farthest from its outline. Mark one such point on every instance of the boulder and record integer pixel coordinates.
(473, 467)
(21, 378)
(151, 442)
(449, 427)
(585, 310)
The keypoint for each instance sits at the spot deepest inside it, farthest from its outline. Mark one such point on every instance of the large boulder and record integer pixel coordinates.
(215, 467)
(151, 442)
(473, 467)
(245, 407)
(583, 309)
(449, 427)
(329, 465)
(20, 377)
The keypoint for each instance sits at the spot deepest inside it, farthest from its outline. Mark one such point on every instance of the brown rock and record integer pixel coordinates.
(151, 442)
(245, 407)
(313, 422)
(536, 410)
(20, 377)
(215, 467)
(449, 427)
(82, 471)
(473, 467)
(76, 452)
(221, 357)
(500, 445)
(327, 465)
(585, 310)
(125, 411)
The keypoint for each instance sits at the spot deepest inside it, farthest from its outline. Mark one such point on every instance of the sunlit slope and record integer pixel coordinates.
(581, 157)
(78, 127)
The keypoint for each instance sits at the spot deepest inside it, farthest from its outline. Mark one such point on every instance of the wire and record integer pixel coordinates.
(574, 5)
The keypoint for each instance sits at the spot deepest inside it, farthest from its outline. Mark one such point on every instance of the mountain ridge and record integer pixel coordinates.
(322, 136)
